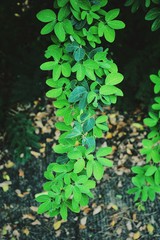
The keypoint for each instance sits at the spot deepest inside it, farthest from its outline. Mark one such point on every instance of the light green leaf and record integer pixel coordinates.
(109, 90)
(104, 151)
(47, 66)
(46, 15)
(48, 28)
(98, 170)
(63, 211)
(114, 78)
(44, 207)
(116, 24)
(66, 69)
(54, 93)
(151, 170)
(79, 165)
(59, 31)
(109, 34)
(112, 14)
(105, 162)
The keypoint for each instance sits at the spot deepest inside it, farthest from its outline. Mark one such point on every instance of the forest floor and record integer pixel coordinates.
(112, 213)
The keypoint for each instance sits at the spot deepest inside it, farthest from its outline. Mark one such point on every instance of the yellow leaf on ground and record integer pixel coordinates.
(5, 185)
(35, 154)
(9, 164)
(57, 225)
(97, 210)
(81, 226)
(36, 222)
(150, 228)
(136, 235)
(26, 231)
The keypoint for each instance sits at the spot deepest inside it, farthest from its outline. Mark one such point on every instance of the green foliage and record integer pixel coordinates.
(152, 15)
(147, 180)
(83, 80)
(21, 137)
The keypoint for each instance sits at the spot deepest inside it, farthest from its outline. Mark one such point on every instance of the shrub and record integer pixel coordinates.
(83, 80)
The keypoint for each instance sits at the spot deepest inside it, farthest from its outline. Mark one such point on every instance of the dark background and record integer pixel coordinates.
(136, 51)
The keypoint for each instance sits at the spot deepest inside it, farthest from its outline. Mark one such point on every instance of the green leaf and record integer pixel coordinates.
(152, 14)
(68, 191)
(105, 162)
(54, 93)
(101, 119)
(109, 90)
(138, 170)
(79, 165)
(150, 122)
(66, 69)
(77, 194)
(59, 31)
(42, 198)
(151, 170)
(116, 24)
(112, 14)
(156, 24)
(98, 170)
(144, 196)
(77, 94)
(157, 177)
(84, 200)
(109, 34)
(114, 78)
(63, 211)
(91, 64)
(138, 180)
(151, 194)
(46, 15)
(62, 3)
(75, 154)
(44, 207)
(88, 125)
(48, 28)
(59, 168)
(79, 54)
(61, 148)
(89, 168)
(47, 66)
(104, 151)
(63, 13)
(62, 126)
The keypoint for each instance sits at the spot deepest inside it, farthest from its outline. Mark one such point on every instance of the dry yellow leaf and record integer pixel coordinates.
(35, 154)
(136, 235)
(25, 231)
(150, 228)
(5, 185)
(57, 225)
(109, 135)
(9, 164)
(6, 176)
(81, 226)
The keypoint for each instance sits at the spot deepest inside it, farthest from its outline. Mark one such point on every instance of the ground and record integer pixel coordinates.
(112, 213)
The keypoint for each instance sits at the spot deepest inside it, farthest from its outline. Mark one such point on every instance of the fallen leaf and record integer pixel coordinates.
(137, 126)
(129, 225)
(9, 164)
(36, 222)
(83, 220)
(150, 228)
(57, 225)
(111, 205)
(136, 235)
(16, 234)
(34, 209)
(97, 210)
(109, 135)
(81, 226)
(35, 154)
(112, 224)
(86, 210)
(28, 216)
(25, 231)
(21, 173)
(5, 185)
(6, 176)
